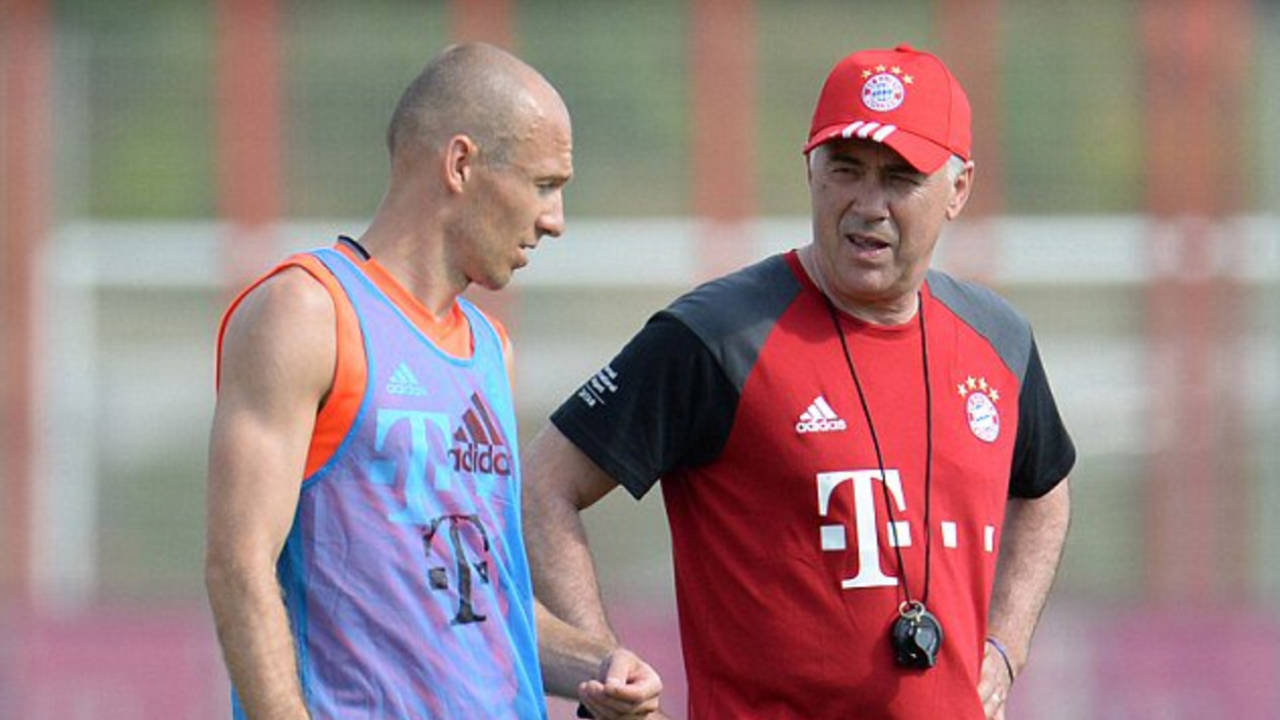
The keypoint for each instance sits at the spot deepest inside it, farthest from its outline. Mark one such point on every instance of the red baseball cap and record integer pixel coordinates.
(904, 98)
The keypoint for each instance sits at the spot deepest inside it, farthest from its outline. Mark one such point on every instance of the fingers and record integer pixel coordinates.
(631, 676)
(993, 685)
(627, 688)
(993, 706)
(605, 704)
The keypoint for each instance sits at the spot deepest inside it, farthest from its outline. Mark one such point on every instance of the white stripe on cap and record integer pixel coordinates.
(872, 130)
(850, 130)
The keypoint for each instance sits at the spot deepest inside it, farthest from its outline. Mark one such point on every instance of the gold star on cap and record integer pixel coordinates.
(896, 70)
(908, 79)
(866, 74)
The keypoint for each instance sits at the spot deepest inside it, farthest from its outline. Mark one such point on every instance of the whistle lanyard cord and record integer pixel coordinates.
(875, 442)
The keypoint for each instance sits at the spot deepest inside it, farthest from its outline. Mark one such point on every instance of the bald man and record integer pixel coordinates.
(365, 556)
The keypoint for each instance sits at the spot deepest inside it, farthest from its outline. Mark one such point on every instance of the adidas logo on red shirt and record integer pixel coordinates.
(820, 418)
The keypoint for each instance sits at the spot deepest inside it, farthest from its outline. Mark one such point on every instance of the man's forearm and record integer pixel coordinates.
(560, 558)
(580, 654)
(1035, 532)
(565, 572)
(253, 630)
(568, 654)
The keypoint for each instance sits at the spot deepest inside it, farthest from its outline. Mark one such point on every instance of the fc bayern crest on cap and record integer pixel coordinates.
(980, 408)
(883, 92)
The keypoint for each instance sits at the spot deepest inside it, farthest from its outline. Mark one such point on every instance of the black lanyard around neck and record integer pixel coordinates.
(875, 442)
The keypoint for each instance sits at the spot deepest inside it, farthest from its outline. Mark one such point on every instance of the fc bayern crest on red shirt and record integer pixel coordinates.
(980, 400)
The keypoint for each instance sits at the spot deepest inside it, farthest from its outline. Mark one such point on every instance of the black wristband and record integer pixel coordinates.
(583, 712)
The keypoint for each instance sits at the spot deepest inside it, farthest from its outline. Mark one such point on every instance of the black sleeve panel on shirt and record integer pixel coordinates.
(990, 315)
(663, 402)
(668, 400)
(1043, 453)
(735, 314)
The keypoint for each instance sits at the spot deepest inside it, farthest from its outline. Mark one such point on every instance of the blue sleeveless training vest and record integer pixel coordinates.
(404, 574)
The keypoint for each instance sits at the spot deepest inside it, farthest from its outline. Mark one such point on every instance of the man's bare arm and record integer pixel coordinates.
(1035, 531)
(581, 656)
(277, 364)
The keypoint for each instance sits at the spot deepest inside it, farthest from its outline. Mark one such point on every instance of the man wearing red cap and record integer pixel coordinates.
(848, 441)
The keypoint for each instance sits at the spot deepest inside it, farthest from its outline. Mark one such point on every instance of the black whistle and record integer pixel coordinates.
(917, 637)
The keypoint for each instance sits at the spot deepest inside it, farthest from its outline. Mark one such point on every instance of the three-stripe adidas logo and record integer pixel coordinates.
(479, 445)
(820, 418)
(403, 382)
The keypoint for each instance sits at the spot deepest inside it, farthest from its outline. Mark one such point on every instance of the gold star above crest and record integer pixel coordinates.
(866, 74)
(880, 68)
(896, 70)
(908, 79)
(978, 385)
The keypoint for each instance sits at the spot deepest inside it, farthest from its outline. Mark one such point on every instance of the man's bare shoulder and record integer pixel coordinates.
(282, 334)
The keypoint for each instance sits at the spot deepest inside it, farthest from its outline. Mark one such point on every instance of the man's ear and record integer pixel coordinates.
(960, 189)
(460, 158)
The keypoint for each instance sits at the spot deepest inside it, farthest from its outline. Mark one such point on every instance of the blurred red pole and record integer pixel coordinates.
(490, 21)
(971, 44)
(484, 21)
(249, 111)
(25, 213)
(722, 52)
(1196, 55)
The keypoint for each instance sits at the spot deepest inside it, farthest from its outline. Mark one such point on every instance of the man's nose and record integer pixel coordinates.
(552, 222)
(871, 201)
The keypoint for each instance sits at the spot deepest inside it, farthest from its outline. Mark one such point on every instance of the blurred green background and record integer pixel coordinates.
(130, 288)
(143, 78)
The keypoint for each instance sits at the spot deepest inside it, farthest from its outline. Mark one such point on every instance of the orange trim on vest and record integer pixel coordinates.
(338, 411)
(451, 334)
